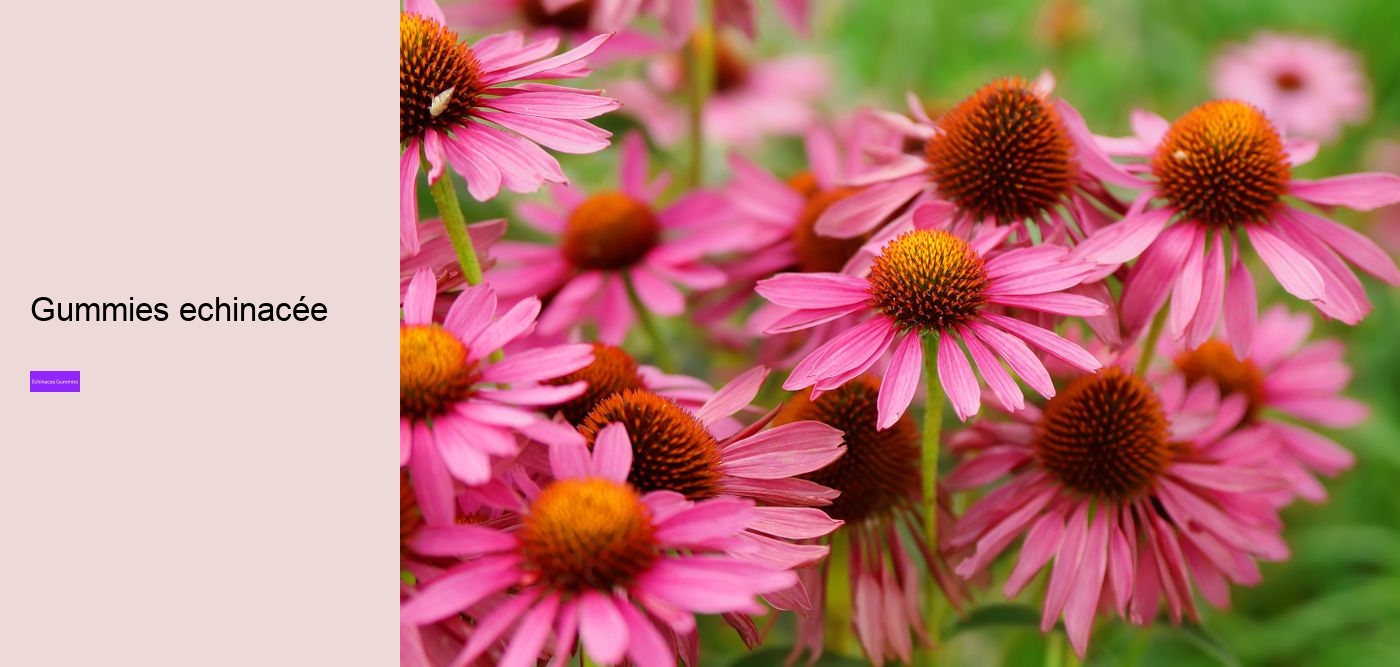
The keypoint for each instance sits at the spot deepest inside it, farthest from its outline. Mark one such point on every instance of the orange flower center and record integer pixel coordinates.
(1105, 435)
(439, 77)
(816, 253)
(1002, 153)
(435, 371)
(613, 371)
(1215, 360)
(880, 470)
(928, 280)
(572, 17)
(671, 449)
(610, 231)
(1223, 163)
(587, 534)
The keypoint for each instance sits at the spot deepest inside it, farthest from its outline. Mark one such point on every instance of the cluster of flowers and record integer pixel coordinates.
(559, 496)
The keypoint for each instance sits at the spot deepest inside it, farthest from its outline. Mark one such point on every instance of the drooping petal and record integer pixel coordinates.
(901, 381)
(1362, 192)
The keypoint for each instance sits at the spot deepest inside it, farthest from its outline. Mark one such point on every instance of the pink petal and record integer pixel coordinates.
(857, 348)
(657, 295)
(405, 441)
(602, 628)
(495, 622)
(418, 300)
(814, 290)
(541, 363)
(530, 635)
(733, 397)
(646, 647)
(1126, 239)
(1041, 544)
(783, 451)
(1084, 598)
(461, 540)
(1047, 340)
(1294, 272)
(1362, 192)
(705, 521)
(431, 482)
(460, 588)
(1000, 382)
(427, 8)
(1349, 243)
(569, 460)
(1208, 308)
(1241, 309)
(866, 209)
(1186, 290)
(1017, 355)
(1064, 575)
(901, 380)
(561, 134)
(795, 523)
(612, 453)
(956, 375)
(408, 197)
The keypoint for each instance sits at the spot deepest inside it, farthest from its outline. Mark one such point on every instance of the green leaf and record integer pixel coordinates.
(776, 656)
(1208, 644)
(994, 615)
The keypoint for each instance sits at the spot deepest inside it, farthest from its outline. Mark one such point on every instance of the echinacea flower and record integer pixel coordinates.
(1310, 87)
(455, 410)
(592, 558)
(879, 481)
(678, 16)
(931, 282)
(613, 241)
(1131, 492)
(436, 254)
(458, 106)
(780, 217)
(1221, 172)
(614, 371)
(573, 21)
(1284, 375)
(1008, 154)
(752, 98)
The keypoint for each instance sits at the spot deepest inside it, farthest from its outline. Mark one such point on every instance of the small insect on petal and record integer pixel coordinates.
(440, 101)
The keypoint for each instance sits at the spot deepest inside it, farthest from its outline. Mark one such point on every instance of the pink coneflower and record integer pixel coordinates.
(1311, 87)
(454, 411)
(678, 16)
(593, 558)
(1221, 172)
(752, 98)
(610, 240)
(977, 167)
(677, 449)
(879, 481)
(614, 371)
(1285, 375)
(780, 217)
(573, 21)
(935, 283)
(456, 107)
(1131, 492)
(436, 254)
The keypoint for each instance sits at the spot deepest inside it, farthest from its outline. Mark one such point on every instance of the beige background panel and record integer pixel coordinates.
(217, 494)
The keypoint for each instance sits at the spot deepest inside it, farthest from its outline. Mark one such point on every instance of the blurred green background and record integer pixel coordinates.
(1337, 600)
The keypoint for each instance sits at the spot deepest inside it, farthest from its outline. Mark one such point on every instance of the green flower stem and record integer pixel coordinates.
(839, 639)
(659, 349)
(445, 196)
(933, 425)
(700, 57)
(1149, 344)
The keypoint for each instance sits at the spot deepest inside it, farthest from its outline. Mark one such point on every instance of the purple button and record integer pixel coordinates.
(54, 381)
